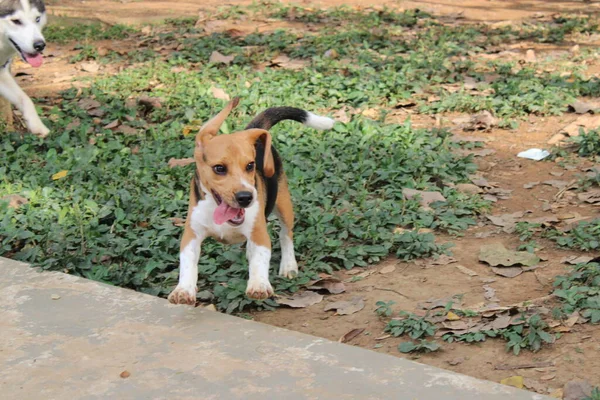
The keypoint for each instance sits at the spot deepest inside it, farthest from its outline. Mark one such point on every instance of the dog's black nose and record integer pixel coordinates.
(39, 45)
(243, 198)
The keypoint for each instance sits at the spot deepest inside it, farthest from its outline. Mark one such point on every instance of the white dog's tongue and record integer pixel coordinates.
(224, 213)
(34, 61)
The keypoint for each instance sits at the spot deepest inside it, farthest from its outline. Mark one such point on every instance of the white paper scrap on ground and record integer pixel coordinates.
(534, 154)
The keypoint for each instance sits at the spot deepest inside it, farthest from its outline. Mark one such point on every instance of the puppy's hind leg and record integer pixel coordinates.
(10, 90)
(285, 212)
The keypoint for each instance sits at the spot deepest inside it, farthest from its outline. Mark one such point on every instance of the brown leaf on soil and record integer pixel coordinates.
(585, 121)
(577, 389)
(218, 58)
(351, 335)
(465, 270)
(441, 260)
(490, 294)
(574, 260)
(556, 183)
(347, 307)
(524, 366)
(456, 361)
(584, 107)
(92, 67)
(468, 188)
(508, 272)
(285, 62)
(591, 196)
(514, 381)
(14, 200)
(426, 198)
(507, 221)
(301, 300)
(332, 285)
(387, 269)
(481, 121)
(112, 125)
(440, 303)
(496, 254)
(88, 104)
(530, 185)
(127, 130)
(125, 374)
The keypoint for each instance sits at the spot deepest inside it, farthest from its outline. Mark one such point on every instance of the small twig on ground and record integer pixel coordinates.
(541, 364)
(393, 291)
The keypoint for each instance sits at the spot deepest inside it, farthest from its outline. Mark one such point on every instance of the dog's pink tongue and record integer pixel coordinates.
(34, 61)
(224, 213)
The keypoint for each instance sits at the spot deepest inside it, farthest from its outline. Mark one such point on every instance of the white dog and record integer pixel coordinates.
(21, 23)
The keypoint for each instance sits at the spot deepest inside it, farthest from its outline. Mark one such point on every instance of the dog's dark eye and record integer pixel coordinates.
(220, 169)
(38, 19)
(250, 167)
(16, 21)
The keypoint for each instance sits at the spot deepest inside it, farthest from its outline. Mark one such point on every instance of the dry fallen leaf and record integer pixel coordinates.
(55, 297)
(583, 107)
(507, 221)
(591, 196)
(574, 260)
(586, 121)
(481, 121)
(351, 335)
(301, 300)
(496, 254)
(577, 389)
(456, 361)
(332, 285)
(534, 385)
(88, 104)
(468, 188)
(490, 294)
(452, 316)
(387, 269)
(508, 272)
(515, 381)
(288, 63)
(92, 67)
(347, 307)
(60, 175)
(14, 200)
(125, 374)
(465, 270)
(547, 377)
(219, 93)
(217, 58)
(426, 197)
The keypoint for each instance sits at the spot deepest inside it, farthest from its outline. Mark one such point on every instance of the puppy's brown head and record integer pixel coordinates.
(226, 165)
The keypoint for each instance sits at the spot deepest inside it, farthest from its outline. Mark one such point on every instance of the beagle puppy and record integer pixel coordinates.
(238, 181)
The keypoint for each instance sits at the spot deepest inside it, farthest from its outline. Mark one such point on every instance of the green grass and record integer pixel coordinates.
(82, 32)
(109, 218)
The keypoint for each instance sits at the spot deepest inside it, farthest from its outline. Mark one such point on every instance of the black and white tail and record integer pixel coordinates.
(271, 116)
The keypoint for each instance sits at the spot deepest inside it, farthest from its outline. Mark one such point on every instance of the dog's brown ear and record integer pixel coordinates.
(211, 128)
(255, 135)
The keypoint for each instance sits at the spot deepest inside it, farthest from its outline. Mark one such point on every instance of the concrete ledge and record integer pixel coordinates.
(76, 346)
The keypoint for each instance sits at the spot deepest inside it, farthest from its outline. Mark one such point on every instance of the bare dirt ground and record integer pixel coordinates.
(573, 356)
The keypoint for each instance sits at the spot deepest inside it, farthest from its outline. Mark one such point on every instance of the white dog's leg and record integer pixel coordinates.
(10, 90)
(185, 292)
(259, 257)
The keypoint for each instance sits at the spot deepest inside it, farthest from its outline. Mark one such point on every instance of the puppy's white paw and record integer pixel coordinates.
(259, 289)
(288, 269)
(183, 295)
(39, 129)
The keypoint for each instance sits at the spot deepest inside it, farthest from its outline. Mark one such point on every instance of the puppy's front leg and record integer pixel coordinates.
(185, 292)
(258, 252)
(11, 90)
